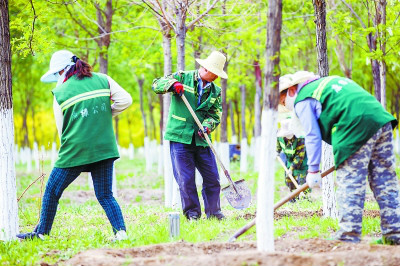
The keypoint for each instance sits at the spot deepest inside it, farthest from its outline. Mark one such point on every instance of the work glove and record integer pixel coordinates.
(205, 130)
(178, 88)
(314, 179)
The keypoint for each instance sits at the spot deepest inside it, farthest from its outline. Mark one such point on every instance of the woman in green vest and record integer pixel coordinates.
(343, 114)
(84, 121)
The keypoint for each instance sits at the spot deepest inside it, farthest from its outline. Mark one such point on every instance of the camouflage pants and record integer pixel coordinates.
(374, 160)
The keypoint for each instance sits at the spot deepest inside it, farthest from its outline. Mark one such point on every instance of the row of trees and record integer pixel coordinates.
(134, 42)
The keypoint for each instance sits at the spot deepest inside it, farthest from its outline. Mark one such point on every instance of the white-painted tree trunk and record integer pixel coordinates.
(328, 183)
(223, 152)
(114, 182)
(256, 153)
(28, 156)
(171, 189)
(8, 187)
(53, 154)
(36, 156)
(266, 176)
(147, 153)
(234, 139)
(243, 155)
(16, 154)
(131, 152)
(90, 180)
(160, 161)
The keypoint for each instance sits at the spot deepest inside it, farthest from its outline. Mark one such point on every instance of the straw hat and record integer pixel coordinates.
(214, 63)
(285, 130)
(59, 60)
(290, 80)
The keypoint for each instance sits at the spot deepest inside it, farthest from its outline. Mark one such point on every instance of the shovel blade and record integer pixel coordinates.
(240, 200)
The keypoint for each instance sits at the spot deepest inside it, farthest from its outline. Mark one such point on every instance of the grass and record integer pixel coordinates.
(79, 227)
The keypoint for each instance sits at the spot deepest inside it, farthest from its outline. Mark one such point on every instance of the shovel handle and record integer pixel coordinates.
(208, 141)
(244, 229)
(287, 172)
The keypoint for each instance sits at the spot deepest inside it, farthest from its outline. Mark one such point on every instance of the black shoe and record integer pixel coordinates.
(391, 240)
(218, 216)
(193, 218)
(30, 236)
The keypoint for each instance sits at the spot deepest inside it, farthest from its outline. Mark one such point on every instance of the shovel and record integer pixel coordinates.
(237, 193)
(293, 194)
(290, 175)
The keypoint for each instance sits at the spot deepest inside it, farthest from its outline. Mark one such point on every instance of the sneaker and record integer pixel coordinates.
(120, 236)
(30, 236)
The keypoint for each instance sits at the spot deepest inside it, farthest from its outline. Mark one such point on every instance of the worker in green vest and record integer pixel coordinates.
(189, 150)
(296, 158)
(83, 115)
(343, 114)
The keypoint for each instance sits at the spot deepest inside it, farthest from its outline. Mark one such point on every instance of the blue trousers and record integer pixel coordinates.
(59, 180)
(185, 159)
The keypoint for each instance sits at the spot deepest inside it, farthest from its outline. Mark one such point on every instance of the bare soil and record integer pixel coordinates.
(287, 252)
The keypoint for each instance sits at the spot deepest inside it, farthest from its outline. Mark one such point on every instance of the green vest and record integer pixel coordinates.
(290, 151)
(350, 116)
(181, 126)
(87, 133)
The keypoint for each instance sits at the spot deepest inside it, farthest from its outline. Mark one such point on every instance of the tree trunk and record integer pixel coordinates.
(140, 83)
(257, 99)
(161, 124)
(231, 115)
(8, 189)
(329, 199)
(223, 126)
(152, 123)
(243, 110)
(381, 10)
(266, 175)
(320, 23)
(181, 37)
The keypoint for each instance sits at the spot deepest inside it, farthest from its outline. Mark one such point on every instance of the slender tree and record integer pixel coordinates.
(266, 175)
(8, 189)
(329, 199)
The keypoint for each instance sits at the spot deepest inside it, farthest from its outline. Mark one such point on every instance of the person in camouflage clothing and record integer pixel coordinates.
(343, 114)
(296, 158)
(188, 147)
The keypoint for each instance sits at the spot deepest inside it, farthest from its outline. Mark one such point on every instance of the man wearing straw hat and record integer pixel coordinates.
(296, 158)
(343, 114)
(189, 150)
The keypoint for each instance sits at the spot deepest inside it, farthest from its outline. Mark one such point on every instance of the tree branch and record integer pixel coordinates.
(33, 28)
(202, 15)
(354, 13)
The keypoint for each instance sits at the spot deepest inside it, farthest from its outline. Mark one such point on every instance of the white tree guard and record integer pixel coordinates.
(223, 153)
(328, 183)
(243, 155)
(266, 176)
(8, 187)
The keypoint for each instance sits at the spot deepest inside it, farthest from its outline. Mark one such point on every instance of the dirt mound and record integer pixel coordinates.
(287, 252)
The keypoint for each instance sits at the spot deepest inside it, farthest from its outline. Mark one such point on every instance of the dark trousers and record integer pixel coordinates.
(59, 180)
(185, 159)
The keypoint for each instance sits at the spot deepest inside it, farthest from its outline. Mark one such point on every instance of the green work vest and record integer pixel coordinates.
(350, 116)
(181, 126)
(290, 152)
(87, 133)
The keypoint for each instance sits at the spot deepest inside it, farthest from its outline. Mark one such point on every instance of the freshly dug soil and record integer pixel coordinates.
(287, 252)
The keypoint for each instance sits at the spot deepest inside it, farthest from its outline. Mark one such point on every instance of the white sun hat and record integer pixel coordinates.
(214, 63)
(59, 60)
(285, 130)
(290, 80)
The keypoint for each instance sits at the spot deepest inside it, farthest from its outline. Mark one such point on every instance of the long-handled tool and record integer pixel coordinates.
(237, 193)
(290, 175)
(244, 229)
